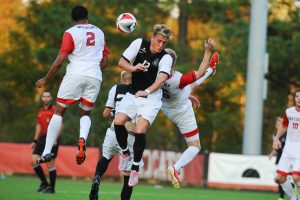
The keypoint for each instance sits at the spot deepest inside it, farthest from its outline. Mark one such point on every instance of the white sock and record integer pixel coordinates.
(85, 125)
(207, 74)
(187, 156)
(287, 187)
(53, 129)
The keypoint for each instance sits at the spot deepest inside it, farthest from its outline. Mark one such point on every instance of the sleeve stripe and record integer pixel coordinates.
(165, 73)
(125, 58)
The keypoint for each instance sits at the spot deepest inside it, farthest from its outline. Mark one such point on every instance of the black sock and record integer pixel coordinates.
(126, 190)
(138, 149)
(281, 192)
(121, 135)
(102, 166)
(52, 176)
(39, 171)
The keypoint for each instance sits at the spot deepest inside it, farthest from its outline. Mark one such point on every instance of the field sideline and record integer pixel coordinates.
(23, 188)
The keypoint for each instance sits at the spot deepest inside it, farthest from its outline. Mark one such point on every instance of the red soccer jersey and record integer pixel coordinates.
(43, 118)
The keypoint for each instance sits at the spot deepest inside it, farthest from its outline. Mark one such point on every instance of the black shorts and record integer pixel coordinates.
(40, 146)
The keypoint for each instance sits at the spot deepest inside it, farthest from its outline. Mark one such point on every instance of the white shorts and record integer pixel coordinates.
(288, 166)
(78, 88)
(110, 146)
(145, 107)
(185, 120)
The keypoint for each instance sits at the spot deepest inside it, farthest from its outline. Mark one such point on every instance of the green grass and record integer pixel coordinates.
(23, 188)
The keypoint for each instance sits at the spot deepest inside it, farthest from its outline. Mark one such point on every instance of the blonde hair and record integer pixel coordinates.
(162, 30)
(123, 73)
(172, 53)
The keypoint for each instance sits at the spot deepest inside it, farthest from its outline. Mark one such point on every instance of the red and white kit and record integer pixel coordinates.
(290, 160)
(85, 46)
(177, 106)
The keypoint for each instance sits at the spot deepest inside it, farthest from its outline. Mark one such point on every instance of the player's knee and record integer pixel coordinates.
(280, 179)
(50, 164)
(195, 143)
(83, 112)
(33, 160)
(119, 121)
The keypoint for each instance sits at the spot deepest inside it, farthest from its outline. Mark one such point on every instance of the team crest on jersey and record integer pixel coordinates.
(155, 62)
(143, 50)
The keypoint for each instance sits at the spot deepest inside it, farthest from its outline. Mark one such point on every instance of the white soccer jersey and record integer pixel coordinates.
(115, 97)
(85, 46)
(110, 103)
(173, 96)
(292, 144)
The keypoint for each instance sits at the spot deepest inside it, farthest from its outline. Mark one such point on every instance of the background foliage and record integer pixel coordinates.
(30, 39)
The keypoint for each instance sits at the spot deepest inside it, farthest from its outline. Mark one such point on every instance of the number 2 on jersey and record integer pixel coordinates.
(91, 39)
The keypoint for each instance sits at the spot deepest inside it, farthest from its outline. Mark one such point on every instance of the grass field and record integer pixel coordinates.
(23, 188)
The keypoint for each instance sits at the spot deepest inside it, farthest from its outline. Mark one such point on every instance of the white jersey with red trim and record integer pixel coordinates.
(292, 144)
(89, 44)
(173, 96)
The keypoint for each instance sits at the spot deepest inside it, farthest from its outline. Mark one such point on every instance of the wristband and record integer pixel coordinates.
(34, 141)
(147, 91)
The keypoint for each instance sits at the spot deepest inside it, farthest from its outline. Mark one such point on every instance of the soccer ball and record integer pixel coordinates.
(126, 23)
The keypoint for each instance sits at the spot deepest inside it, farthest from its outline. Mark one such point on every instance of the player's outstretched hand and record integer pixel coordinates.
(41, 82)
(276, 144)
(195, 101)
(210, 44)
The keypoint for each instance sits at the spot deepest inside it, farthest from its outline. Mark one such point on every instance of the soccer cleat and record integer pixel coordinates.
(45, 158)
(49, 190)
(42, 187)
(133, 178)
(123, 162)
(95, 188)
(174, 177)
(213, 61)
(80, 156)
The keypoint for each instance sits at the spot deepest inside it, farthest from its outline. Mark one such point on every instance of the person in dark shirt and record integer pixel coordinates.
(44, 116)
(150, 66)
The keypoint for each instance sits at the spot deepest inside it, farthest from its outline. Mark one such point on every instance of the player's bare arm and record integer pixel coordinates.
(161, 78)
(106, 112)
(281, 131)
(52, 71)
(209, 46)
(195, 101)
(104, 63)
(126, 66)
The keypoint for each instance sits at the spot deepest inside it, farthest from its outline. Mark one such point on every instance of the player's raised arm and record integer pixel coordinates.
(209, 46)
(161, 78)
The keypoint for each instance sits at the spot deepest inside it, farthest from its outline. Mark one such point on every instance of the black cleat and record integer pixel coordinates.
(95, 188)
(43, 187)
(46, 158)
(49, 190)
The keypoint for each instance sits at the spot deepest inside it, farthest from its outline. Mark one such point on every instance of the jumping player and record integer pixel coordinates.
(85, 46)
(178, 108)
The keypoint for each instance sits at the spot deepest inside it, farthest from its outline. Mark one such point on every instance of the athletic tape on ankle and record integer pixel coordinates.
(123, 150)
(136, 163)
